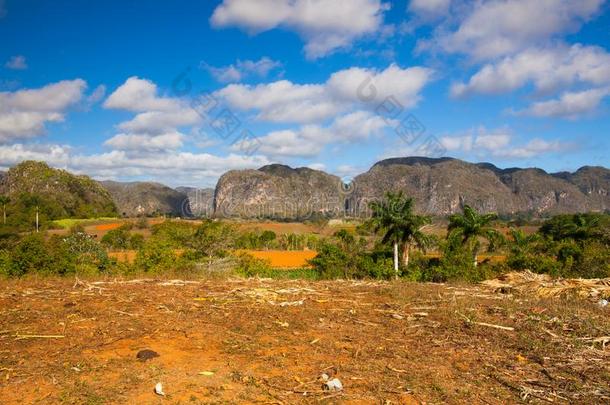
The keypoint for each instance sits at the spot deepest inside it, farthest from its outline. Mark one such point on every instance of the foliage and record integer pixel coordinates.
(249, 266)
(394, 217)
(178, 234)
(346, 257)
(471, 226)
(156, 256)
(213, 239)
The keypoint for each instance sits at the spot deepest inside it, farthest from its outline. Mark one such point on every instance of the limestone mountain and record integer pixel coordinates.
(57, 193)
(200, 201)
(146, 198)
(278, 191)
(442, 186)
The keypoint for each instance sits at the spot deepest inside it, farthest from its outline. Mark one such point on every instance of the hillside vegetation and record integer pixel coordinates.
(55, 193)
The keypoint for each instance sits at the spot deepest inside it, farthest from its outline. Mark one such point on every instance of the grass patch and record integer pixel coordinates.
(68, 223)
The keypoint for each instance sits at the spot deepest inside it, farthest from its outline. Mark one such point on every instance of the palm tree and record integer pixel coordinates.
(471, 226)
(521, 241)
(4, 200)
(395, 218)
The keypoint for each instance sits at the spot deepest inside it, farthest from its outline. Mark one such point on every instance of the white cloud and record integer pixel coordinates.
(429, 8)
(309, 140)
(547, 69)
(23, 113)
(284, 101)
(569, 105)
(498, 143)
(17, 62)
(359, 125)
(325, 25)
(145, 143)
(243, 69)
(170, 167)
(156, 125)
(496, 28)
(97, 95)
(155, 122)
(533, 148)
(139, 95)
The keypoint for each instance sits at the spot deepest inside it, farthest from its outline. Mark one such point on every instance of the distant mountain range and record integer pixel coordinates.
(439, 187)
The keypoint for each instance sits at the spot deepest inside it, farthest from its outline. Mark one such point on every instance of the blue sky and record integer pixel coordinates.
(99, 87)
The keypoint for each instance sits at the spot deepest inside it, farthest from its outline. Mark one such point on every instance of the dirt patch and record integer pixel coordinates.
(284, 259)
(266, 341)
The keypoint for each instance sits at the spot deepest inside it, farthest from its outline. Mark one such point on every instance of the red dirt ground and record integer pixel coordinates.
(267, 341)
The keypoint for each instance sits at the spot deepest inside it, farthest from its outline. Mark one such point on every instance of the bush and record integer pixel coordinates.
(249, 266)
(35, 255)
(155, 256)
(117, 239)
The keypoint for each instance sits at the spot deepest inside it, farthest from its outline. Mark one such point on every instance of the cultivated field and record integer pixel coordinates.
(268, 341)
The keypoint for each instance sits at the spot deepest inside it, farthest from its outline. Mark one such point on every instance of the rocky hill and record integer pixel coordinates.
(145, 198)
(442, 186)
(58, 193)
(278, 191)
(200, 201)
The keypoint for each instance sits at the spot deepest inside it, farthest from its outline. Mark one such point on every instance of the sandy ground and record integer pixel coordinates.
(268, 341)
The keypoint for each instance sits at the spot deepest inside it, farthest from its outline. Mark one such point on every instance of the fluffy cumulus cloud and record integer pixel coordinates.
(155, 126)
(24, 113)
(429, 8)
(547, 69)
(17, 62)
(140, 95)
(499, 143)
(325, 25)
(284, 101)
(309, 140)
(172, 168)
(242, 70)
(569, 105)
(489, 29)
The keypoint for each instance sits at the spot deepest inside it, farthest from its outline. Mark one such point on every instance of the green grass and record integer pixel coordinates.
(70, 222)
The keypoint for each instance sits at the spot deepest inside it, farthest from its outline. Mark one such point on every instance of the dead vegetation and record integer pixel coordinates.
(269, 341)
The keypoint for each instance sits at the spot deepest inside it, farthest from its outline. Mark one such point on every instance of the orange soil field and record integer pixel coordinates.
(284, 258)
(250, 341)
(108, 227)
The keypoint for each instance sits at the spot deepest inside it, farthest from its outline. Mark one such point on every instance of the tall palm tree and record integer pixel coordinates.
(4, 200)
(472, 226)
(395, 218)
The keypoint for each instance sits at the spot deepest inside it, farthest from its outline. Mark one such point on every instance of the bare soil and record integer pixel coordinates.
(268, 341)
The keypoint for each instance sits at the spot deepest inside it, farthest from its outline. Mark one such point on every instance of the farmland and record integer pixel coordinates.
(268, 341)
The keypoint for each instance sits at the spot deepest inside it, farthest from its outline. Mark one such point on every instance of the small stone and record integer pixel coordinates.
(146, 354)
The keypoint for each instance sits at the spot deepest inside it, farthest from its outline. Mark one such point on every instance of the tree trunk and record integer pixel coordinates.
(476, 261)
(396, 260)
(405, 255)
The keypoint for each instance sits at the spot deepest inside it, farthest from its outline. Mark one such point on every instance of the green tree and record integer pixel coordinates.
(213, 239)
(472, 226)
(394, 217)
(579, 227)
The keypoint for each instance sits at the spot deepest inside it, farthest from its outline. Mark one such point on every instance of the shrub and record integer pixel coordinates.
(117, 239)
(249, 266)
(155, 256)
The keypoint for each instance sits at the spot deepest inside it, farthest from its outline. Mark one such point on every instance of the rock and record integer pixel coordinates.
(145, 198)
(146, 354)
(159, 389)
(333, 385)
(278, 192)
